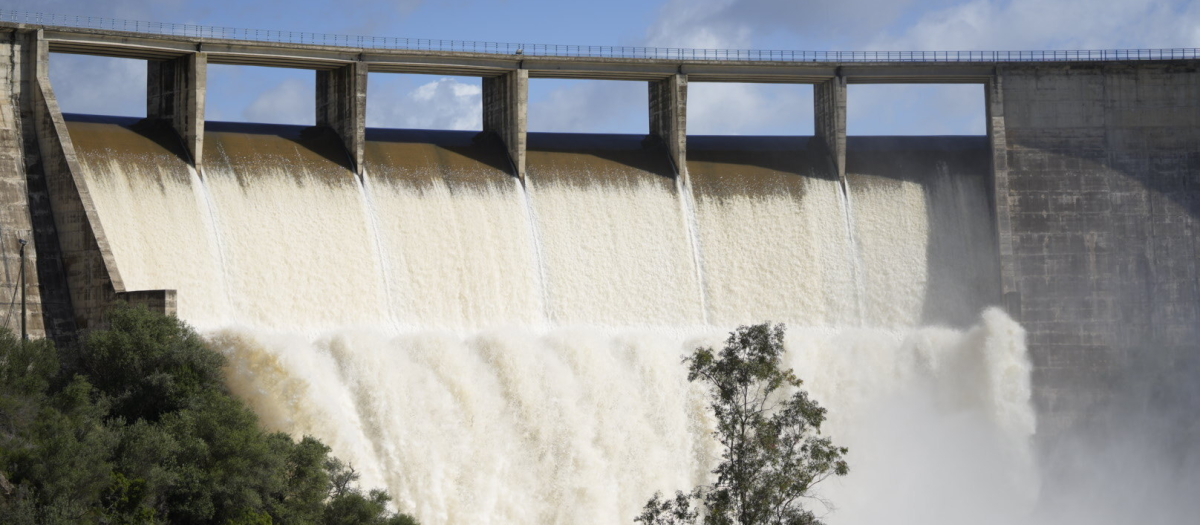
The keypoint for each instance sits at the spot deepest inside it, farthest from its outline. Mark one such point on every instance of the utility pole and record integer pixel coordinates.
(24, 333)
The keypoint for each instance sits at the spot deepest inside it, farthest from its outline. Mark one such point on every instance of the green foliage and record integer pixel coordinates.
(148, 365)
(137, 427)
(770, 431)
(348, 505)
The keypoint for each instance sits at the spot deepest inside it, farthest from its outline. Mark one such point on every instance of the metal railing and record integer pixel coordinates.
(551, 50)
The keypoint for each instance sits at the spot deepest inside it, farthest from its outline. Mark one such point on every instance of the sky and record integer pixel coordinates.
(238, 93)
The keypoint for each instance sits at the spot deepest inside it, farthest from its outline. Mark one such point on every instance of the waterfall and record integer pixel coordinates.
(497, 354)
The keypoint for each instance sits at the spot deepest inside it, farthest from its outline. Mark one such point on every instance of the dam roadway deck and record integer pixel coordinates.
(499, 59)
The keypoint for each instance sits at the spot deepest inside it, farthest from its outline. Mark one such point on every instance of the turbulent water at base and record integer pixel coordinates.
(498, 352)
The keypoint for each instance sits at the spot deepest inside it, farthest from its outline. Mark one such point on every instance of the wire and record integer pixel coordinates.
(11, 303)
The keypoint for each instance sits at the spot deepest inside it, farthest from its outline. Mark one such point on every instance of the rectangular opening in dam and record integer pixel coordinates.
(96, 85)
(732, 108)
(266, 95)
(915, 109)
(588, 106)
(405, 101)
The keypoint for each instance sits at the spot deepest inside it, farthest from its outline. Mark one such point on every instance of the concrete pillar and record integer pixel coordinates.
(994, 101)
(342, 105)
(829, 101)
(506, 112)
(668, 117)
(175, 92)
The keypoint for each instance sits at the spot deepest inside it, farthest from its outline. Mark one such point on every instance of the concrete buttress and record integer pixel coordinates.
(506, 113)
(829, 101)
(175, 93)
(668, 117)
(342, 106)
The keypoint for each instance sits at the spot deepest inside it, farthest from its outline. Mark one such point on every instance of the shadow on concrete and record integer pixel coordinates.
(421, 159)
(962, 260)
(769, 154)
(157, 131)
(269, 140)
(726, 166)
(592, 158)
(149, 150)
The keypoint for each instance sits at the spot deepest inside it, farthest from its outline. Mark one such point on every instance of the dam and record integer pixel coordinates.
(489, 324)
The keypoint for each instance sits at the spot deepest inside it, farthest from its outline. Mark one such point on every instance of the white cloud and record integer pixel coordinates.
(915, 109)
(127, 9)
(1052, 24)
(907, 25)
(445, 103)
(697, 24)
(289, 102)
(737, 23)
(737, 109)
(594, 106)
(99, 85)
(930, 24)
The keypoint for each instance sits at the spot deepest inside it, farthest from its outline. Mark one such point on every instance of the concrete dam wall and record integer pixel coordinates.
(490, 324)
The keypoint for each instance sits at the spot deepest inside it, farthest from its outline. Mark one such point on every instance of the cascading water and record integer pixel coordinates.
(491, 355)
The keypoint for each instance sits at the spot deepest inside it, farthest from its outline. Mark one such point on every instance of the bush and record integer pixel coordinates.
(134, 425)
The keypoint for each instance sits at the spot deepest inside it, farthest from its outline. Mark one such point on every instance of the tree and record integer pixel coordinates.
(770, 430)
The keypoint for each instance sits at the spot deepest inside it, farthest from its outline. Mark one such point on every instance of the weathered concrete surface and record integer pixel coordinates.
(175, 93)
(1104, 194)
(15, 221)
(668, 118)
(505, 114)
(162, 301)
(58, 318)
(998, 142)
(342, 105)
(829, 110)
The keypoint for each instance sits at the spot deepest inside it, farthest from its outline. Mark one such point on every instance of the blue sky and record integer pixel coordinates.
(112, 86)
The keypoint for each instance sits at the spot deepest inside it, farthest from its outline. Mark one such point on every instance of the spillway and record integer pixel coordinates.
(493, 351)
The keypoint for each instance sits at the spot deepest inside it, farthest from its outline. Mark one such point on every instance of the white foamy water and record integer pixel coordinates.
(156, 220)
(616, 254)
(492, 353)
(582, 425)
(796, 247)
(473, 242)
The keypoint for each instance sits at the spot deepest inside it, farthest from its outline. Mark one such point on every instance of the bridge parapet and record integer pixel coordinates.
(427, 45)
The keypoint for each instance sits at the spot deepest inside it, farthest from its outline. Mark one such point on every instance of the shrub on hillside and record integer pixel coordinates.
(134, 425)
